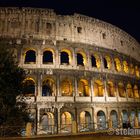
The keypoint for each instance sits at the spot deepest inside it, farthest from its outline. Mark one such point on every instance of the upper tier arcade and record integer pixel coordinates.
(45, 24)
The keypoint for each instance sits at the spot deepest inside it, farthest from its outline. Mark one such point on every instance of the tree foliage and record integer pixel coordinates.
(12, 110)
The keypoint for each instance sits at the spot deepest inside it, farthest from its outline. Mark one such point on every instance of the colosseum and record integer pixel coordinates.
(82, 74)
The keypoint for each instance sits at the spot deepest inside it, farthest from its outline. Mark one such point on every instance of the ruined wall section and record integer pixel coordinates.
(44, 24)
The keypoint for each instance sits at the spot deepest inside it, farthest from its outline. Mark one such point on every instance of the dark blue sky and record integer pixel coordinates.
(122, 13)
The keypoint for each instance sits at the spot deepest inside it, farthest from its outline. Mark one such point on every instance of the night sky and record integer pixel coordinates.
(123, 13)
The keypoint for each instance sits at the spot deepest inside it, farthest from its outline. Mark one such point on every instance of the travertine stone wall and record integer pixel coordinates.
(45, 24)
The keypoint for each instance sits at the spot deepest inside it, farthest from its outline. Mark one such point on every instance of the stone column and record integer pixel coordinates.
(58, 85)
(39, 84)
(76, 86)
(92, 90)
(37, 120)
(105, 90)
(58, 120)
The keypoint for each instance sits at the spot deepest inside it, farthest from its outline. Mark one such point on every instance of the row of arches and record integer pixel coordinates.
(86, 122)
(84, 88)
(82, 60)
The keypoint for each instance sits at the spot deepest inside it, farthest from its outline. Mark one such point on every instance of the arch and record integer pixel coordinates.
(48, 55)
(132, 69)
(65, 56)
(137, 71)
(81, 59)
(101, 120)
(28, 87)
(110, 89)
(125, 119)
(83, 88)
(136, 91)
(121, 89)
(138, 117)
(47, 122)
(66, 122)
(132, 118)
(95, 61)
(107, 62)
(114, 119)
(129, 90)
(30, 57)
(66, 87)
(85, 121)
(125, 67)
(117, 63)
(98, 88)
(48, 87)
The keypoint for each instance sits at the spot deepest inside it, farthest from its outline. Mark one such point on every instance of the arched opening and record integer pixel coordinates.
(30, 57)
(136, 91)
(132, 118)
(117, 64)
(139, 117)
(66, 87)
(29, 87)
(110, 89)
(83, 88)
(125, 67)
(81, 59)
(105, 63)
(129, 91)
(98, 88)
(85, 121)
(121, 89)
(137, 71)
(47, 87)
(64, 58)
(47, 57)
(125, 119)
(66, 122)
(114, 119)
(132, 69)
(93, 61)
(47, 122)
(101, 120)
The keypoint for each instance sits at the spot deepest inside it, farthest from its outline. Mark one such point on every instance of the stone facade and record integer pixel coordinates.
(80, 70)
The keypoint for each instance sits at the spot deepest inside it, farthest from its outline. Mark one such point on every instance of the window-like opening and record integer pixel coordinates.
(136, 91)
(85, 120)
(125, 67)
(28, 87)
(105, 63)
(66, 122)
(48, 28)
(121, 89)
(80, 59)
(104, 35)
(47, 57)
(93, 61)
(30, 57)
(79, 29)
(66, 87)
(101, 120)
(129, 90)
(117, 64)
(64, 58)
(98, 88)
(47, 88)
(113, 119)
(110, 89)
(83, 88)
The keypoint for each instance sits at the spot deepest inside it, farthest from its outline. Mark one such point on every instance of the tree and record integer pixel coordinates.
(13, 114)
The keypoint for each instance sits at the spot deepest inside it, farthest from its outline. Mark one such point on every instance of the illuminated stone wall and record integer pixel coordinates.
(79, 69)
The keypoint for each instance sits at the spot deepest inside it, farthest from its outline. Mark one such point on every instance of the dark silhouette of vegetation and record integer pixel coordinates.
(13, 109)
